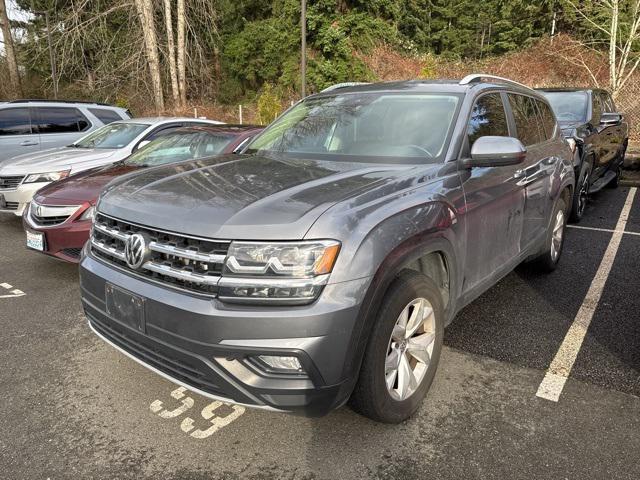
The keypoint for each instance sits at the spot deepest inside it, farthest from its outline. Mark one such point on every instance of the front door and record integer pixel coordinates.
(494, 202)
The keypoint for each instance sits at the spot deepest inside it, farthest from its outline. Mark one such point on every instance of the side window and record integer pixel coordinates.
(526, 119)
(15, 121)
(105, 116)
(60, 120)
(487, 118)
(607, 102)
(548, 119)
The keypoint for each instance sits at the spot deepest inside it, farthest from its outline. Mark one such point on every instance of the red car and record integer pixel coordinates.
(58, 220)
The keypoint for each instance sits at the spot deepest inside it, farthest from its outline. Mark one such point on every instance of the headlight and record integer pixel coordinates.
(283, 272)
(89, 213)
(46, 177)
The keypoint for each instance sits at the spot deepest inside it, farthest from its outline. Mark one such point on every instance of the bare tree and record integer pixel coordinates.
(171, 52)
(621, 37)
(145, 14)
(182, 80)
(9, 49)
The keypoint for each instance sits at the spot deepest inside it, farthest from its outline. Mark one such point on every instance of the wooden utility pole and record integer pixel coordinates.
(12, 64)
(303, 52)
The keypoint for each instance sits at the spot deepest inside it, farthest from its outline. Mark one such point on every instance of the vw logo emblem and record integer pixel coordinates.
(136, 250)
(38, 210)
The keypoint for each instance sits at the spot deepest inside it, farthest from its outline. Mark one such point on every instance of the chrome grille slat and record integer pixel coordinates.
(177, 261)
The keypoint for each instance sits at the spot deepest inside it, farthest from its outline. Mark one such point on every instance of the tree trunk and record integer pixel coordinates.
(171, 52)
(145, 13)
(182, 77)
(12, 64)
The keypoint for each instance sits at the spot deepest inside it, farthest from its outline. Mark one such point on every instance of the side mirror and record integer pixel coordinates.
(496, 152)
(143, 143)
(610, 118)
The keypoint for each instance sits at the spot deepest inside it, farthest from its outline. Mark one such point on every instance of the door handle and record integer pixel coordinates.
(28, 143)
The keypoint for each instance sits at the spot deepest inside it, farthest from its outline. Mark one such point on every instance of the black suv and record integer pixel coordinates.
(598, 136)
(324, 262)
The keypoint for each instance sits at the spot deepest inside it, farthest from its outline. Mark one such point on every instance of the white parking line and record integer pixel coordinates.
(14, 292)
(608, 230)
(560, 368)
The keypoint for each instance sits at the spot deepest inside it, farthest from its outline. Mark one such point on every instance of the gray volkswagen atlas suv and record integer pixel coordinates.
(322, 264)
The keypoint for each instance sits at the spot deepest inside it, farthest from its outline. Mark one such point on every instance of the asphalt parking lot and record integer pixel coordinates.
(73, 407)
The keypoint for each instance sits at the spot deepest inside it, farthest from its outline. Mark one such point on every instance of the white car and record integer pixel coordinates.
(22, 176)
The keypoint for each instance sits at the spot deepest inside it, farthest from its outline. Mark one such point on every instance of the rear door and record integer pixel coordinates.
(59, 126)
(536, 170)
(16, 133)
(494, 201)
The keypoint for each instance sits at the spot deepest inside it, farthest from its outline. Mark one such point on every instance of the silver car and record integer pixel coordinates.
(22, 176)
(28, 126)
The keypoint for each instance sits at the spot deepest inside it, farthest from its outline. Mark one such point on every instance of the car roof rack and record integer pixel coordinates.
(343, 85)
(481, 77)
(48, 100)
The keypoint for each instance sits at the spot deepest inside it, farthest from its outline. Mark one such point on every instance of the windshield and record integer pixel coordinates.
(370, 127)
(115, 135)
(178, 147)
(568, 106)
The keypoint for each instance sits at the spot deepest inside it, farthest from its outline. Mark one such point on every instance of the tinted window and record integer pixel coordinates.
(116, 135)
(487, 118)
(526, 119)
(105, 116)
(568, 106)
(368, 127)
(548, 119)
(15, 121)
(60, 120)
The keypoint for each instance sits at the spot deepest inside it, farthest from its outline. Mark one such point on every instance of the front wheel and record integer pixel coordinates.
(548, 260)
(402, 356)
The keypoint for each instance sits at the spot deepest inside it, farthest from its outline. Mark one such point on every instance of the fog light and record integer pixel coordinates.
(281, 363)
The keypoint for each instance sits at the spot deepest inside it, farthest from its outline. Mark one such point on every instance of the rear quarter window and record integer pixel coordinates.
(105, 116)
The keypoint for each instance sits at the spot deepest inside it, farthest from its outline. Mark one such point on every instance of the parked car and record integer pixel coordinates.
(324, 262)
(22, 176)
(59, 217)
(598, 135)
(28, 126)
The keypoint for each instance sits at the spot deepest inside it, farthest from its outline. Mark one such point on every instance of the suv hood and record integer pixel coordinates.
(246, 197)
(55, 159)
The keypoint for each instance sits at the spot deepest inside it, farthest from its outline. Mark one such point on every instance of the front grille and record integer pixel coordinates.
(180, 367)
(11, 206)
(48, 216)
(174, 260)
(10, 182)
(72, 252)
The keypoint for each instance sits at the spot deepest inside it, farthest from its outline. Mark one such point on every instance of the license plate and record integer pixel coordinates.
(35, 240)
(125, 307)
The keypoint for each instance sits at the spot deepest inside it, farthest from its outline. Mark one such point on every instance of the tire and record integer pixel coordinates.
(548, 260)
(372, 397)
(581, 194)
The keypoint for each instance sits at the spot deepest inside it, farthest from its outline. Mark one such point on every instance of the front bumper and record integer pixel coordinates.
(19, 198)
(64, 241)
(207, 346)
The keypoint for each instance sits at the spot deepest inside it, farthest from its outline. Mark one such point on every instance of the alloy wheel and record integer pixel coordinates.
(557, 235)
(410, 349)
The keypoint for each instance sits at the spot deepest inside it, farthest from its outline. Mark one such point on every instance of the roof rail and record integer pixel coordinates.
(343, 85)
(479, 77)
(48, 100)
